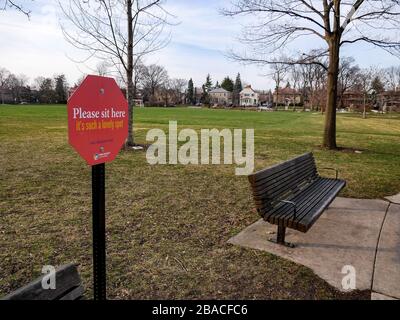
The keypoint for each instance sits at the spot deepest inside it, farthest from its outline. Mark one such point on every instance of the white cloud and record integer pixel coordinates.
(36, 47)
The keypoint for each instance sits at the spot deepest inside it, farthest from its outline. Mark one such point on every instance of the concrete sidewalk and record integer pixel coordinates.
(363, 234)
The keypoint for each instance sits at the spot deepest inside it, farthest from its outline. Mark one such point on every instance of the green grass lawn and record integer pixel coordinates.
(168, 226)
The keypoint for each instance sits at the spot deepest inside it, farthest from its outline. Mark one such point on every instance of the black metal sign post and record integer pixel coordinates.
(99, 232)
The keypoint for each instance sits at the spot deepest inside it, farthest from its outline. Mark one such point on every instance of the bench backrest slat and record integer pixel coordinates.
(279, 181)
(68, 284)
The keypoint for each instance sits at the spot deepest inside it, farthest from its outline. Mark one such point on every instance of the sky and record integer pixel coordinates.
(199, 45)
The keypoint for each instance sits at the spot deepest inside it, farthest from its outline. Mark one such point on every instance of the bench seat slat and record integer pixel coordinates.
(306, 223)
(314, 201)
(306, 201)
(311, 203)
(286, 211)
(276, 186)
(282, 208)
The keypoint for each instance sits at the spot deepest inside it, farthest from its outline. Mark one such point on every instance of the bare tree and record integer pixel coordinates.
(279, 72)
(102, 68)
(4, 73)
(348, 76)
(154, 78)
(4, 76)
(392, 76)
(365, 78)
(310, 80)
(334, 23)
(178, 88)
(139, 71)
(16, 84)
(13, 4)
(315, 76)
(45, 87)
(299, 76)
(119, 31)
(295, 76)
(320, 85)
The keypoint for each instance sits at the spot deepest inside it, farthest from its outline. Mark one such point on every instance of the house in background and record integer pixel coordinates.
(390, 101)
(353, 100)
(249, 97)
(220, 96)
(167, 98)
(288, 96)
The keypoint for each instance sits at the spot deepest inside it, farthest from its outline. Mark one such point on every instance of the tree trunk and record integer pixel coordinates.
(332, 90)
(129, 75)
(365, 106)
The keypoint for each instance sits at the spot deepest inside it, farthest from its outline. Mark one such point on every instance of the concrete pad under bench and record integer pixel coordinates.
(378, 296)
(346, 234)
(394, 199)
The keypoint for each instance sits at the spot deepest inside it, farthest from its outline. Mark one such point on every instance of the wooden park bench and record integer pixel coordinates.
(293, 195)
(68, 287)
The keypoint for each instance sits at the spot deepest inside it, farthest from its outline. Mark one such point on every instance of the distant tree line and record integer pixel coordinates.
(17, 89)
(151, 84)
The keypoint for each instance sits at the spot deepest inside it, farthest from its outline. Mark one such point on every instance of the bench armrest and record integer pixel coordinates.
(294, 206)
(334, 169)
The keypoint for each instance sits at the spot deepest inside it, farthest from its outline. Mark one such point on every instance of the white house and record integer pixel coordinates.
(249, 98)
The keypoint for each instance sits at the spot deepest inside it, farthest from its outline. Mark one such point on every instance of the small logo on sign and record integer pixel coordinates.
(99, 156)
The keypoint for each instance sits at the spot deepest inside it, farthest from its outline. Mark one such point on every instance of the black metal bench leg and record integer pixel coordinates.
(280, 238)
(281, 235)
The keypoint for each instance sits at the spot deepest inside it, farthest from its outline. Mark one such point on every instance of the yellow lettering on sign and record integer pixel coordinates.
(91, 125)
(119, 124)
(107, 124)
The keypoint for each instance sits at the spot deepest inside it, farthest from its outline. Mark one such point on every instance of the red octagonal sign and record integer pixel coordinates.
(97, 120)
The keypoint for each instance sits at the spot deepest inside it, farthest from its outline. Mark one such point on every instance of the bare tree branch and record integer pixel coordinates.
(14, 5)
